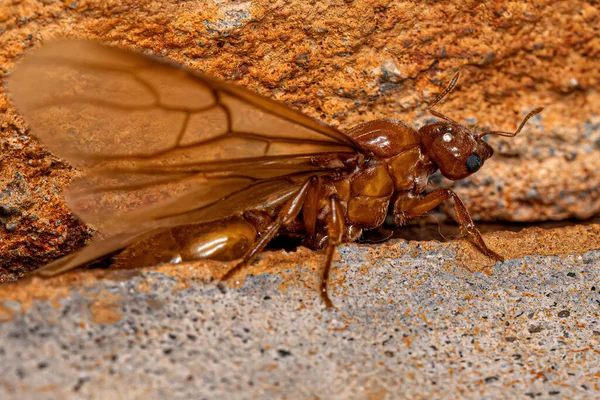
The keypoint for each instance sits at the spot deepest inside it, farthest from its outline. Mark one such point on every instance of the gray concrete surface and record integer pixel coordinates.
(409, 327)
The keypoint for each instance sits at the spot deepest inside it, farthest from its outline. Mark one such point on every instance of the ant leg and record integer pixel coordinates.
(440, 97)
(336, 224)
(289, 211)
(310, 211)
(435, 198)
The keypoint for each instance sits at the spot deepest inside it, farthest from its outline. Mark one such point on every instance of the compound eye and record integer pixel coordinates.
(474, 163)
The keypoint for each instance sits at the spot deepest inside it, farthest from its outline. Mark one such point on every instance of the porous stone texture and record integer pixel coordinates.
(410, 323)
(342, 62)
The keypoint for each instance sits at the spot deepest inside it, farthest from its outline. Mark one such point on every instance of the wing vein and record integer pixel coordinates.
(217, 86)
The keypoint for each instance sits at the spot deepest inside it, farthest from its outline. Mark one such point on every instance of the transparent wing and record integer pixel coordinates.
(264, 194)
(159, 140)
(163, 146)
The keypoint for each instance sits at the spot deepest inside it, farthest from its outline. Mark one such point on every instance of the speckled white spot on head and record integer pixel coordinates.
(447, 137)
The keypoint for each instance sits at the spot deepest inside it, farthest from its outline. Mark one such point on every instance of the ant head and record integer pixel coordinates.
(456, 150)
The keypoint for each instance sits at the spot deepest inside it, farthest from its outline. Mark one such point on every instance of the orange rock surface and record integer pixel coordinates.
(342, 62)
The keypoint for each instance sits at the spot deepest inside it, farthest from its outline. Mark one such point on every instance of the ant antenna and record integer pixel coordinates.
(441, 96)
(531, 113)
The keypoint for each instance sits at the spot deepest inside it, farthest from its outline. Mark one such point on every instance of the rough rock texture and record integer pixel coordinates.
(411, 323)
(342, 62)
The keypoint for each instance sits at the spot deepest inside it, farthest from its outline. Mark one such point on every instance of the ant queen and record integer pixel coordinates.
(202, 169)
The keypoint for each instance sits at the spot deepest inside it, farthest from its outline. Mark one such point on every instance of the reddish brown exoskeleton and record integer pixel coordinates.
(192, 167)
